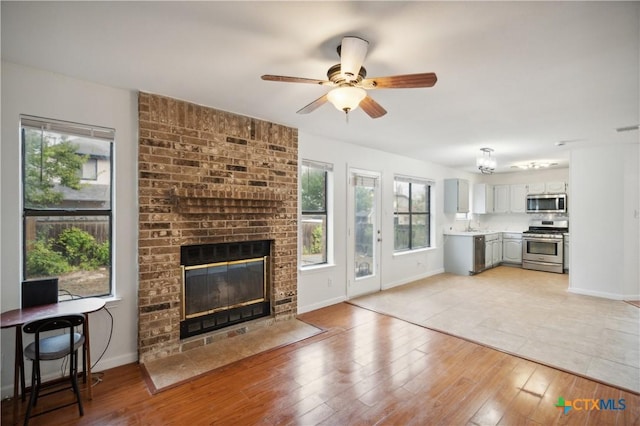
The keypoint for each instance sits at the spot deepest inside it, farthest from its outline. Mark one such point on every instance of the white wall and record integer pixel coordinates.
(605, 235)
(45, 94)
(327, 285)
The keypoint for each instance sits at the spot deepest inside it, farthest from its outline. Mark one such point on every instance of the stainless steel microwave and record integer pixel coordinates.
(547, 203)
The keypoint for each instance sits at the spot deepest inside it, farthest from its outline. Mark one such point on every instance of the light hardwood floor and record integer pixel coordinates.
(367, 368)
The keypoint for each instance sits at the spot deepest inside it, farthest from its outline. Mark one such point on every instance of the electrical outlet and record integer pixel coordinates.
(329, 282)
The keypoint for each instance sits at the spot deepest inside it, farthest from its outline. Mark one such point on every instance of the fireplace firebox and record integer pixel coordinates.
(223, 284)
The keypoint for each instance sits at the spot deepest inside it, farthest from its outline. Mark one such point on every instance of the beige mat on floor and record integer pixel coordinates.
(167, 372)
(526, 313)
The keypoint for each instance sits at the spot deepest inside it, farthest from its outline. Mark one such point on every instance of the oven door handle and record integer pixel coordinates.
(543, 240)
(540, 262)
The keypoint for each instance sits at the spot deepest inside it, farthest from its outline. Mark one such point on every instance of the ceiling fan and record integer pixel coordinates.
(349, 82)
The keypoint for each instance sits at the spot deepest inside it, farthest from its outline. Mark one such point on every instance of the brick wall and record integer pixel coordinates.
(209, 176)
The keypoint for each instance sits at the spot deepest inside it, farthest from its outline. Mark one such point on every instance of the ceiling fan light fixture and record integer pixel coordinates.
(534, 165)
(346, 98)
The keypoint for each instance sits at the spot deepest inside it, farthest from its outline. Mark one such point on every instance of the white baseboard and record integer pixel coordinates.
(108, 363)
(323, 304)
(412, 279)
(336, 300)
(603, 294)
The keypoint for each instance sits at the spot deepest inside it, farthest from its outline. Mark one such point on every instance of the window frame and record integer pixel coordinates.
(326, 212)
(107, 135)
(410, 214)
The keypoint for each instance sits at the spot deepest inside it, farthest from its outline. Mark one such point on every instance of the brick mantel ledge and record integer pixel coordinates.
(258, 200)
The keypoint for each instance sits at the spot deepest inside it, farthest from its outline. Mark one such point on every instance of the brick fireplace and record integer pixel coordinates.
(209, 177)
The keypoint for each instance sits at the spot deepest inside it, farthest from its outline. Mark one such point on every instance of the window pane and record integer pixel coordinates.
(90, 169)
(402, 231)
(55, 165)
(418, 198)
(401, 199)
(365, 218)
(419, 231)
(314, 183)
(314, 239)
(73, 248)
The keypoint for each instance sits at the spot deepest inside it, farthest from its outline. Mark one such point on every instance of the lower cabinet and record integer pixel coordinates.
(512, 250)
(492, 250)
(497, 252)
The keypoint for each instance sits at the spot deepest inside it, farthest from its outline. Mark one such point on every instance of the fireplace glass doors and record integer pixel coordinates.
(220, 286)
(224, 284)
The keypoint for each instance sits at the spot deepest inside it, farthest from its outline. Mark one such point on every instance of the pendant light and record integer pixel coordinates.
(485, 162)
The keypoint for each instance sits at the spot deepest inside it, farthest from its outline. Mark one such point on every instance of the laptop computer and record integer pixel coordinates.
(41, 291)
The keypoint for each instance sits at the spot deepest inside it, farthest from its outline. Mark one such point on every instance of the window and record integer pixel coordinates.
(411, 213)
(314, 183)
(67, 174)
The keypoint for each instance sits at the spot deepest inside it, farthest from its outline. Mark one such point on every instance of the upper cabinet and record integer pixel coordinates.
(501, 195)
(556, 187)
(547, 188)
(456, 196)
(509, 198)
(536, 188)
(482, 198)
(518, 198)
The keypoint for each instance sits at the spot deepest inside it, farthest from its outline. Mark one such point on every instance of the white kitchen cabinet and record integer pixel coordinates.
(536, 188)
(493, 250)
(456, 196)
(497, 252)
(501, 198)
(518, 198)
(482, 198)
(464, 254)
(555, 187)
(512, 248)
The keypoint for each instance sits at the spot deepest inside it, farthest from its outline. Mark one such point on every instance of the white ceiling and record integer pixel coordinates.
(518, 77)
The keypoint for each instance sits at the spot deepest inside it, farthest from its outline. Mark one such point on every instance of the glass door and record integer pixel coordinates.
(364, 233)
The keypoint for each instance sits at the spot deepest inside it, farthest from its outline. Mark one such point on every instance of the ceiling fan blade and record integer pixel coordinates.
(352, 53)
(286, 79)
(406, 81)
(313, 105)
(372, 108)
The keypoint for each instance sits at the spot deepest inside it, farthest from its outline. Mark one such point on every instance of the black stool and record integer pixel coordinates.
(52, 348)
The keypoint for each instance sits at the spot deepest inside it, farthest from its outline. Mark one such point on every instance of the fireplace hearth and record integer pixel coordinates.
(223, 284)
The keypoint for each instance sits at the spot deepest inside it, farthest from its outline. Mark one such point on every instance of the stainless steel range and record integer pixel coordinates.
(543, 245)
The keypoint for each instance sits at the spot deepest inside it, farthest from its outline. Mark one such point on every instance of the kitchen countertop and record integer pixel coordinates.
(472, 233)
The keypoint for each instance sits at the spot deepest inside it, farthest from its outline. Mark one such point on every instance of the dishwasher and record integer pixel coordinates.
(478, 253)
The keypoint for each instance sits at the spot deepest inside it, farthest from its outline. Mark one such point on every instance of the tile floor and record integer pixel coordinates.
(169, 371)
(526, 313)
